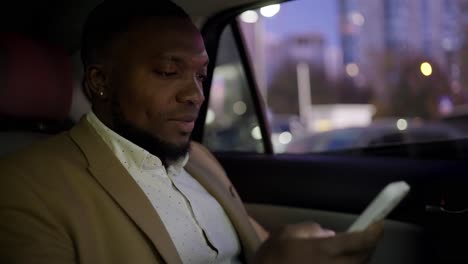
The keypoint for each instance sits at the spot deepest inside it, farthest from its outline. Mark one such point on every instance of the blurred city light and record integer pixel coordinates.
(426, 68)
(285, 138)
(447, 44)
(256, 133)
(445, 105)
(352, 69)
(270, 11)
(323, 125)
(456, 87)
(402, 124)
(239, 108)
(249, 16)
(357, 18)
(210, 117)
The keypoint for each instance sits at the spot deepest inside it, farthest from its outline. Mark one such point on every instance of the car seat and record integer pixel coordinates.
(36, 87)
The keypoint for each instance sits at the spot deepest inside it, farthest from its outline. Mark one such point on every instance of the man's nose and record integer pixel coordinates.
(192, 92)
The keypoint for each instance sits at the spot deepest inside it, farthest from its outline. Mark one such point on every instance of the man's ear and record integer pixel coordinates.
(96, 82)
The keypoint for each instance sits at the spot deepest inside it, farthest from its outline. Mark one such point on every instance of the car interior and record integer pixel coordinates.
(40, 95)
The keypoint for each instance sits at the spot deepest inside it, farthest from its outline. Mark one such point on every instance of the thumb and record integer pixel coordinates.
(306, 231)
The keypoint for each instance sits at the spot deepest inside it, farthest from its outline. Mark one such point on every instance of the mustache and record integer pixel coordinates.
(188, 113)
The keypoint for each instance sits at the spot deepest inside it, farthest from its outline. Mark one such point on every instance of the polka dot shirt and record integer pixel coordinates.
(195, 221)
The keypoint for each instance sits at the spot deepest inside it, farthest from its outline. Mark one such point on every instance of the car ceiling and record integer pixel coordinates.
(60, 22)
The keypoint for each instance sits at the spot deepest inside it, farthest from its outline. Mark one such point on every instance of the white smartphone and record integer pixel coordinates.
(381, 206)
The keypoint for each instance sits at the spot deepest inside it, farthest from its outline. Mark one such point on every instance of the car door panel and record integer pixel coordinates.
(346, 184)
(401, 243)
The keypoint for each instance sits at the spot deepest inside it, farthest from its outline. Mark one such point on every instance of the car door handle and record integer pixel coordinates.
(441, 209)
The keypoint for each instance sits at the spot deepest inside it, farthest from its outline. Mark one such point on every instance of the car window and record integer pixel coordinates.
(344, 74)
(231, 123)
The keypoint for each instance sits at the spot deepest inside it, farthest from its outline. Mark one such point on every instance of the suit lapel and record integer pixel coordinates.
(116, 181)
(212, 177)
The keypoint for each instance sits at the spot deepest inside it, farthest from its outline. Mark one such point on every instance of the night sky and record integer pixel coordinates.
(314, 16)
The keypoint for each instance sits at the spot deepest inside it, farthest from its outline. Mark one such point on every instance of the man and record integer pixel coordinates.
(125, 185)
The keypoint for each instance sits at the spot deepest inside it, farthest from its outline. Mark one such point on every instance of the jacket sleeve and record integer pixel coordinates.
(28, 231)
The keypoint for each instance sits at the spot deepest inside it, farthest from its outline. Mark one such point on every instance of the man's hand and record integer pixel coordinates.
(309, 243)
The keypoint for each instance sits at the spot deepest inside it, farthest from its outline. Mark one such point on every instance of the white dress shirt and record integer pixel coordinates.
(197, 224)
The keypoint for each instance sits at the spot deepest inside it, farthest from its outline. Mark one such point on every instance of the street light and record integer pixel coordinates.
(210, 117)
(402, 124)
(426, 69)
(270, 11)
(357, 18)
(256, 133)
(285, 138)
(352, 69)
(249, 16)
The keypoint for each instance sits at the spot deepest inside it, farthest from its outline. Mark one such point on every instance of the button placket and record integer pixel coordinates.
(193, 198)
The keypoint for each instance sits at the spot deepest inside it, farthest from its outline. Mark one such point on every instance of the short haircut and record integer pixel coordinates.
(113, 17)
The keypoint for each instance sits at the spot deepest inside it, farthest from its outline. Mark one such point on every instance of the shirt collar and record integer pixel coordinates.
(130, 153)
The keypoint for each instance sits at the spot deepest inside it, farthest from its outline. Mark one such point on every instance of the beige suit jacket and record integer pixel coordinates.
(69, 200)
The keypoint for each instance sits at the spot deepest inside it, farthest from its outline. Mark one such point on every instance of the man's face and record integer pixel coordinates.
(156, 74)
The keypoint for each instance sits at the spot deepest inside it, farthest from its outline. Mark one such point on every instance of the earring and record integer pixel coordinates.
(101, 93)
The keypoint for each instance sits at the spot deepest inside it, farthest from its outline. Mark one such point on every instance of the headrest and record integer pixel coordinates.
(36, 80)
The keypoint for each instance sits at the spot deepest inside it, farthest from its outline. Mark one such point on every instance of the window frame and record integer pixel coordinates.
(211, 31)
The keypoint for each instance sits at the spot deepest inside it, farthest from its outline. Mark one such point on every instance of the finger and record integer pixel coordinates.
(376, 228)
(306, 231)
(353, 243)
(327, 233)
(353, 259)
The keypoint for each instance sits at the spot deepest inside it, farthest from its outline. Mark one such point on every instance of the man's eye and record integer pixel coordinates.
(165, 73)
(201, 77)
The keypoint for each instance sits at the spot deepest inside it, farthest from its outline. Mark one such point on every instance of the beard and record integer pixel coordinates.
(167, 152)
